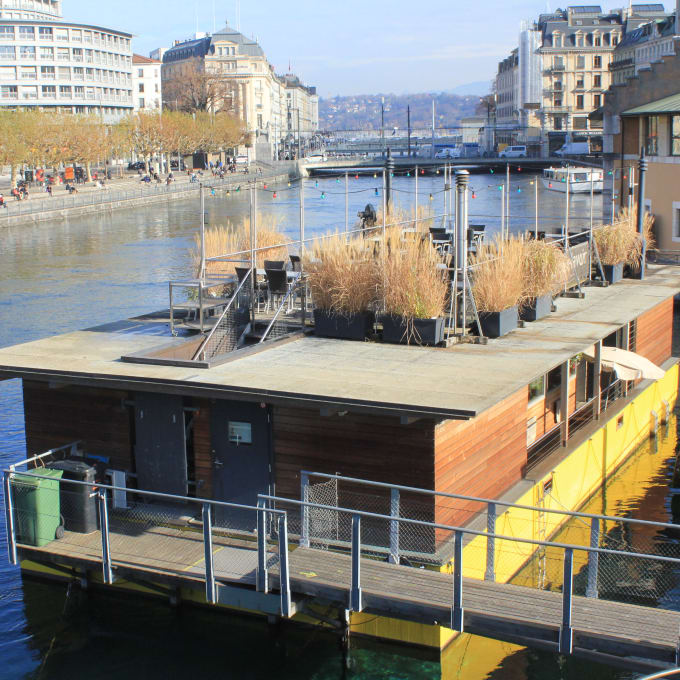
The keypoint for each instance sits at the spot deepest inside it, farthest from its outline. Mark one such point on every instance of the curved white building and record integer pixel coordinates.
(48, 63)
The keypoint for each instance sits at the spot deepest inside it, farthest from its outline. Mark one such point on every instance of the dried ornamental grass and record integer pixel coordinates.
(413, 286)
(546, 269)
(628, 218)
(497, 272)
(615, 242)
(342, 275)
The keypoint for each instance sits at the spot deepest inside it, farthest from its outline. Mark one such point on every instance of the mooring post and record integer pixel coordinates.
(355, 603)
(210, 589)
(106, 546)
(304, 496)
(566, 632)
(9, 519)
(262, 580)
(593, 558)
(394, 526)
(490, 574)
(457, 611)
(284, 573)
(642, 165)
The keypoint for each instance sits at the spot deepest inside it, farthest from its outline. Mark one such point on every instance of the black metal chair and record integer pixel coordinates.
(295, 263)
(260, 286)
(274, 264)
(277, 283)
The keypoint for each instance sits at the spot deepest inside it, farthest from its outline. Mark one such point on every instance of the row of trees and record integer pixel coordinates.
(39, 139)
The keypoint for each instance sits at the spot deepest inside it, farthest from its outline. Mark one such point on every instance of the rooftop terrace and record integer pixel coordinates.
(458, 382)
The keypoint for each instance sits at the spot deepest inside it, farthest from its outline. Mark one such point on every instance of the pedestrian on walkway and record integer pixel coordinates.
(48, 189)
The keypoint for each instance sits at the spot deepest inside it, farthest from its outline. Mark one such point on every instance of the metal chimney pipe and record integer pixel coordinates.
(462, 181)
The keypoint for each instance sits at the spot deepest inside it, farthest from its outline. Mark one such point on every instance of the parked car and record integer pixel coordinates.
(137, 165)
(242, 159)
(574, 149)
(316, 158)
(513, 152)
(445, 153)
(173, 165)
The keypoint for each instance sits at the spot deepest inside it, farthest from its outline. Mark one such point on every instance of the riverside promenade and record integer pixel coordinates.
(126, 192)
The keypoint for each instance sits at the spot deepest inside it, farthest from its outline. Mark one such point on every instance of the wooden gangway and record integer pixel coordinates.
(245, 556)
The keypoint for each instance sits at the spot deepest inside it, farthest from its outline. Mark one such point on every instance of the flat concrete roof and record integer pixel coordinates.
(458, 382)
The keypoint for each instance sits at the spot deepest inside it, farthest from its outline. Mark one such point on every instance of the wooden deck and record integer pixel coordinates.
(608, 631)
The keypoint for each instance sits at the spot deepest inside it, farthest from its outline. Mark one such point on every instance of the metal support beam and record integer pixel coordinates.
(284, 572)
(564, 402)
(355, 604)
(457, 611)
(597, 378)
(566, 640)
(394, 526)
(490, 574)
(9, 519)
(642, 165)
(210, 588)
(262, 581)
(106, 546)
(304, 497)
(593, 558)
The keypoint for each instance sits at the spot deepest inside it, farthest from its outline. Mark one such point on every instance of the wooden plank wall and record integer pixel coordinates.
(480, 457)
(369, 447)
(95, 416)
(203, 459)
(655, 332)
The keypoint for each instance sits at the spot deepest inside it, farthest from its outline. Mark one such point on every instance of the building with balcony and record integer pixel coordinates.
(54, 65)
(575, 47)
(146, 83)
(278, 111)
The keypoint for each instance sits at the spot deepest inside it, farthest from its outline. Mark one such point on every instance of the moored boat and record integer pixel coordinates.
(580, 180)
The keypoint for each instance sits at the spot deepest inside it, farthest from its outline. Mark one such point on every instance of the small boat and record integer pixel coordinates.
(579, 179)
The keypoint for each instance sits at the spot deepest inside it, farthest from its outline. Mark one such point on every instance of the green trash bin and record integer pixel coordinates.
(37, 509)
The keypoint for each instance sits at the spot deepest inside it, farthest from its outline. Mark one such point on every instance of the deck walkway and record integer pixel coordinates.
(604, 630)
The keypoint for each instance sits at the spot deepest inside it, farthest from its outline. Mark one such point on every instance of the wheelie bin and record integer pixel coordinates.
(37, 507)
(78, 503)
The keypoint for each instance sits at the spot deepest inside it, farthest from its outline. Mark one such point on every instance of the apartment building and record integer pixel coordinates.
(275, 109)
(48, 63)
(146, 83)
(575, 47)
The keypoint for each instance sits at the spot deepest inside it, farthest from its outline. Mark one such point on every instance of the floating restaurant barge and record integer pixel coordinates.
(211, 467)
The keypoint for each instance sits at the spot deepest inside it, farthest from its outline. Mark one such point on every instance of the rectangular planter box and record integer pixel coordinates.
(354, 327)
(496, 324)
(613, 272)
(422, 332)
(539, 308)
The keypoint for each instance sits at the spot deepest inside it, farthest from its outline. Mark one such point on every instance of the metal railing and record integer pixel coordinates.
(287, 318)
(207, 540)
(362, 534)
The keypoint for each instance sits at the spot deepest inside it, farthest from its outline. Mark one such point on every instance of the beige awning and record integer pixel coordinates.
(627, 365)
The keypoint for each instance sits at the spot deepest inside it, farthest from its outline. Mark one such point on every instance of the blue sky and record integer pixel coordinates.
(342, 46)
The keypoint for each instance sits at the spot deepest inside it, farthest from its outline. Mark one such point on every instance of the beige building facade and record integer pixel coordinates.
(269, 105)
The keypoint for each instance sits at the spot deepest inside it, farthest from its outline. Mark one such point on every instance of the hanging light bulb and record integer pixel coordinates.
(519, 169)
(228, 193)
(289, 184)
(549, 185)
(500, 187)
(422, 172)
(376, 191)
(375, 175)
(610, 173)
(408, 174)
(337, 181)
(491, 170)
(264, 186)
(323, 194)
(356, 176)
(316, 184)
(474, 195)
(391, 174)
(519, 190)
(431, 197)
(274, 195)
(532, 183)
(437, 171)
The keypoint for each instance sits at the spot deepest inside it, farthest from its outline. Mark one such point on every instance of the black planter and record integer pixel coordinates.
(613, 272)
(353, 327)
(496, 324)
(537, 309)
(419, 332)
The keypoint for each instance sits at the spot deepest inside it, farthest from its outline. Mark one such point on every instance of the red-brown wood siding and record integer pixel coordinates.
(96, 417)
(480, 457)
(655, 332)
(203, 460)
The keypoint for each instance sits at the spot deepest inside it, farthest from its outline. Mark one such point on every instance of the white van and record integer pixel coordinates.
(574, 149)
(513, 152)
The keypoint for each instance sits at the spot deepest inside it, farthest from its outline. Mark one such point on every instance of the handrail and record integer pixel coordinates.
(278, 311)
(234, 297)
(472, 532)
(661, 674)
(518, 506)
(71, 446)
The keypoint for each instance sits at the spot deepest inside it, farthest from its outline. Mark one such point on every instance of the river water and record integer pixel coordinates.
(59, 277)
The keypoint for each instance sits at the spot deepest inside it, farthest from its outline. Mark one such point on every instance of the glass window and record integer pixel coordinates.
(537, 389)
(580, 61)
(597, 62)
(8, 73)
(240, 433)
(62, 34)
(554, 378)
(580, 80)
(597, 100)
(30, 92)
(27, 52)
(64, 73)
(47, 52)
(675, 135)
(579, 101)
(45, 33)
(63, 53)
(65, 91)
(6, 32)
(9, 91)
(652, 135)
(79, 91)
(49, 91)
(76, 35)
(26, 33)
(48, 72)
(597, 81)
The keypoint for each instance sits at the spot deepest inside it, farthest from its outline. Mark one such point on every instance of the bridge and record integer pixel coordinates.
(591, 593)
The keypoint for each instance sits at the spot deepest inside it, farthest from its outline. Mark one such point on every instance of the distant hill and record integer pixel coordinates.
(362, 112)
(479, 88)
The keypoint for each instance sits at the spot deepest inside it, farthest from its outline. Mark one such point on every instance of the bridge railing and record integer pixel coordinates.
(128, 530)
(424, 543)
(364, 539)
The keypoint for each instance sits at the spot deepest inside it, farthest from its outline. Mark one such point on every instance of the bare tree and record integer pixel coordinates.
(193, 88)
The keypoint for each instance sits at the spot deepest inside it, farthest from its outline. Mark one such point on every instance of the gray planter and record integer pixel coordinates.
(496, 324)
(353, 327)
(422, 332)
(537, 308)
(613, 272)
